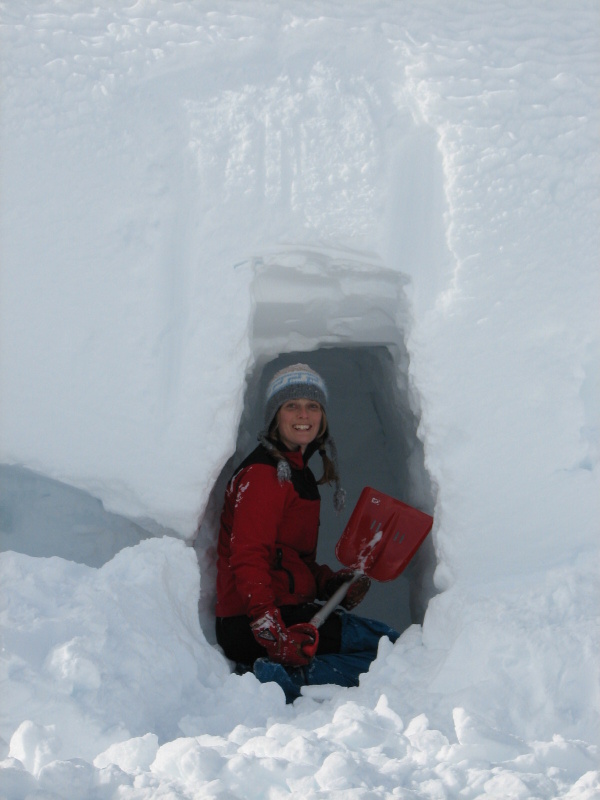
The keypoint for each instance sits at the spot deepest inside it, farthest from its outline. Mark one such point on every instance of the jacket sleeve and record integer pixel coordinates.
(322, 573)
(259, 503)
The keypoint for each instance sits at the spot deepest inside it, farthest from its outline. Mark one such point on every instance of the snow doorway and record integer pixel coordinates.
(346, 315)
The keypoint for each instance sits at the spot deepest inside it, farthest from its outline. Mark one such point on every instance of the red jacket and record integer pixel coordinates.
(268, 538)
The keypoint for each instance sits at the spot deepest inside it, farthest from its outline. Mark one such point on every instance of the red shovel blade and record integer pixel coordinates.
(382, 535)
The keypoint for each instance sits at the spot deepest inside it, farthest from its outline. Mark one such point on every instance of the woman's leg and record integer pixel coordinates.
(358, 649)
(347, 646)
(237, 640)
(361, 634)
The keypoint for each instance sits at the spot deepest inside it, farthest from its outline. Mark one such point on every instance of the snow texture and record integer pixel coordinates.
(402, 194)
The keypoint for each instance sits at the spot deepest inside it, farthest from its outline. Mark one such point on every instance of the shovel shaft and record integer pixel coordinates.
(333, 602)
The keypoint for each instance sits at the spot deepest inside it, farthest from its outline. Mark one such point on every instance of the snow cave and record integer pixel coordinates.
(347, 316)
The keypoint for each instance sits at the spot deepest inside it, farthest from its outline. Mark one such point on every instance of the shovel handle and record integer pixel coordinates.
(333, 602)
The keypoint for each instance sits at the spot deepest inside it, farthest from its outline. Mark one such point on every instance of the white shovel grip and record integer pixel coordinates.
(333, 602)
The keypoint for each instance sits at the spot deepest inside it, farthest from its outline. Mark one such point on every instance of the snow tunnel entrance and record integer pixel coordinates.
(346, 316)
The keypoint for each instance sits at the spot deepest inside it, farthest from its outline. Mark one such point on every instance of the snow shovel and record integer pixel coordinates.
(379, 540)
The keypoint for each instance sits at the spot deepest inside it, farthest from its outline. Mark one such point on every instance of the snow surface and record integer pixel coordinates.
(194, 193)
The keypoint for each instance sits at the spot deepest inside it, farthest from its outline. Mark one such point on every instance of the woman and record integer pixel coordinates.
(268, 580)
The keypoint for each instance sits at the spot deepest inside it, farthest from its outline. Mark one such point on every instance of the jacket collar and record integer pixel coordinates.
(297, 459)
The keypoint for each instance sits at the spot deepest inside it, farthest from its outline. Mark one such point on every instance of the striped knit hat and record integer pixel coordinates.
(295, 382)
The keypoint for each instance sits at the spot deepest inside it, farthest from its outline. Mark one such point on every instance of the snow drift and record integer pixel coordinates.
(404, 196)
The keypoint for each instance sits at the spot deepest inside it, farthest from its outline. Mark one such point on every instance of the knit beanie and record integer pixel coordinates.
(295, 382)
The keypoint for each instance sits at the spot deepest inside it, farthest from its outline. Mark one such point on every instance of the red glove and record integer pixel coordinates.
(356, 593)
(293, 647)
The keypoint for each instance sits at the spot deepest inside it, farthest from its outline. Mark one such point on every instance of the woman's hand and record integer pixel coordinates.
(357, 591)
(293, 647)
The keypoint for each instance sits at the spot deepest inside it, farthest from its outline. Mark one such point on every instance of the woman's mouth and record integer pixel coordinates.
(301, 427)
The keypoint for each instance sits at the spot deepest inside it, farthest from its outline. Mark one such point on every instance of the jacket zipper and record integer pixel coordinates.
(279, 565)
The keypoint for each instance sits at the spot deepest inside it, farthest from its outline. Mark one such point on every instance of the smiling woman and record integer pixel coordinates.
(269, 583)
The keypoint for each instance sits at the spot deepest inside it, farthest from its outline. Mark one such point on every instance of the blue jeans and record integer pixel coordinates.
(359, 642)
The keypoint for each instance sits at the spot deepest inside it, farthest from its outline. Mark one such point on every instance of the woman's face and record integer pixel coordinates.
(298, 423)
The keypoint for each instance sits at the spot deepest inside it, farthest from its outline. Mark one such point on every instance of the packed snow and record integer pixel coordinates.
(404, 195)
